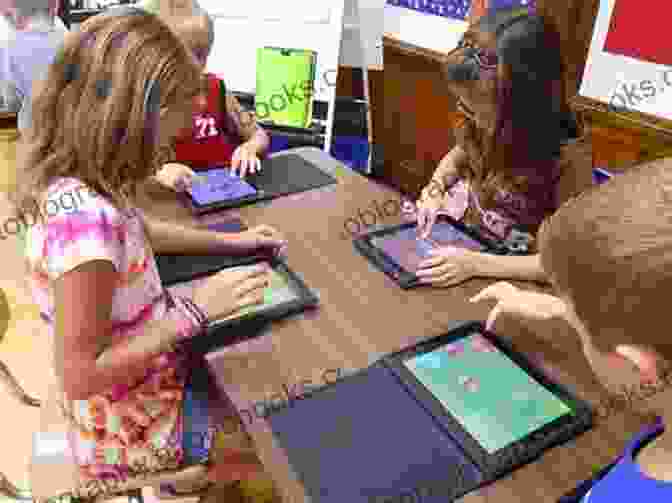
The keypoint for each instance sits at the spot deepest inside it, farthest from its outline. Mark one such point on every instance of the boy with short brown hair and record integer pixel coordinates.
(609, 256)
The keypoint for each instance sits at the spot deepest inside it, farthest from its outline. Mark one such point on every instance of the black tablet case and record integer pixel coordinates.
(289, 174)
(280, 176)
(367, 439)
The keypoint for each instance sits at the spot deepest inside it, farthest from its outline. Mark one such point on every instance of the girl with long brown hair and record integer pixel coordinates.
(503, 173)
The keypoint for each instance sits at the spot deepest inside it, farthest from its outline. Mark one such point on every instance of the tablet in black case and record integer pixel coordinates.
(287, 295)
(279, 176)
(434, 421)
(397, 250)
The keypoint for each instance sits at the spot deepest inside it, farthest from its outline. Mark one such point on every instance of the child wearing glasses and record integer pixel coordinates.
(503, 174)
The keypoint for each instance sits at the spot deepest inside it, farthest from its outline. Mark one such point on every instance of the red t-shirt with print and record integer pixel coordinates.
(211, 140)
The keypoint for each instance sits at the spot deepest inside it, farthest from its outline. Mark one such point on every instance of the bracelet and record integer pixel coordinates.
(196, 311)
(194, 319)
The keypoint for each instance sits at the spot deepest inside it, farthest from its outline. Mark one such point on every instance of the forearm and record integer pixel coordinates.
(526, 267)
(125, 361)
(169, 237)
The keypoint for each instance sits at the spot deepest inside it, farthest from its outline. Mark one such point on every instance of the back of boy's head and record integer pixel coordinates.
(94, 118)
(610, 252)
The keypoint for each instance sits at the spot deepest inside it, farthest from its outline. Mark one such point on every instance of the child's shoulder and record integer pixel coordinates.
(67, 197)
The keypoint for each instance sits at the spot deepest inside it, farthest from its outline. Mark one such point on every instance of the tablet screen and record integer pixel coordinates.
(408, 251)
(279, 292)
(495, 400)
(219, 185)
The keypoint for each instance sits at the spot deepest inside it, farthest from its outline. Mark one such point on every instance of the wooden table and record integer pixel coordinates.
(364, 315)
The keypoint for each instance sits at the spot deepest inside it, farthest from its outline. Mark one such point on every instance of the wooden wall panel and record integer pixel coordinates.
(419, 114)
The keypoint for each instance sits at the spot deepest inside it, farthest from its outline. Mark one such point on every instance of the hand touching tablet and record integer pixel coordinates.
(229, 291)
(177, 177)
(523, 304)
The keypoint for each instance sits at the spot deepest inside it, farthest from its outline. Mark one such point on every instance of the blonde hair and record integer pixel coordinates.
(90, 115)
(196, 31)
(610, 252)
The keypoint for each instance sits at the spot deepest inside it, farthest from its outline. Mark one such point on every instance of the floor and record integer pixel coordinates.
(25, 349)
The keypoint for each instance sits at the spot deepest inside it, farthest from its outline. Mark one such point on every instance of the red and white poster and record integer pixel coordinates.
(638, 29)
(629, 64)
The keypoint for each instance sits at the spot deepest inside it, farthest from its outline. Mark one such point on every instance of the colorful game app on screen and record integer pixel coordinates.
(407, 250)
(495, 400)
(277, 293)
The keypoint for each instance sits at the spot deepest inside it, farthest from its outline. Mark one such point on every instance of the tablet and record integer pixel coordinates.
(503, 411)
(219, 187)
(398, 250)
(279, 176)
(286, 295)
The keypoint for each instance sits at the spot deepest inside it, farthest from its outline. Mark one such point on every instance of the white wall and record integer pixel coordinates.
(608, 77)
(362, 34)
(243, 26)
(423, 30)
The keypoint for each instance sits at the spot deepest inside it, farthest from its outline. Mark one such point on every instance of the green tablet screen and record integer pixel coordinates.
(495, 400)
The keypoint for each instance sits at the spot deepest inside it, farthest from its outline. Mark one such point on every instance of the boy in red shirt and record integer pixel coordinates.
(221, 133)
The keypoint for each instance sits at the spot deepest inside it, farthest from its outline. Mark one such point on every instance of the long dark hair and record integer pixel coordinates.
(532, 117)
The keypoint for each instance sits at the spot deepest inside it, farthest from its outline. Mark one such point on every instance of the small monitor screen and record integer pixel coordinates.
(407, 250)
(219, 185)
(280, 291)
(494, 400)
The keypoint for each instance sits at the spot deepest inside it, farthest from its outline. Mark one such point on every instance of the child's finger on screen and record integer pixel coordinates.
(251, 286)
(254, 299)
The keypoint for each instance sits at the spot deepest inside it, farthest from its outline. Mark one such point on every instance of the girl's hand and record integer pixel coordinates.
(177, 177)
(262, 238)
(245, 160)
(449, 266)
(229, 291)
(526, 305)
(428, 205)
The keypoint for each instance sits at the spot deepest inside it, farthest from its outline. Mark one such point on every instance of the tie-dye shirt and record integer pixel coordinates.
(79, 226)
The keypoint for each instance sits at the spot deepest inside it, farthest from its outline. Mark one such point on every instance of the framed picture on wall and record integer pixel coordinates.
(627, 80)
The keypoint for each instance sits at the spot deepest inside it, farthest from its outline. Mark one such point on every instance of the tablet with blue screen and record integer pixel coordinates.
(220, 187)
(398, 250)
